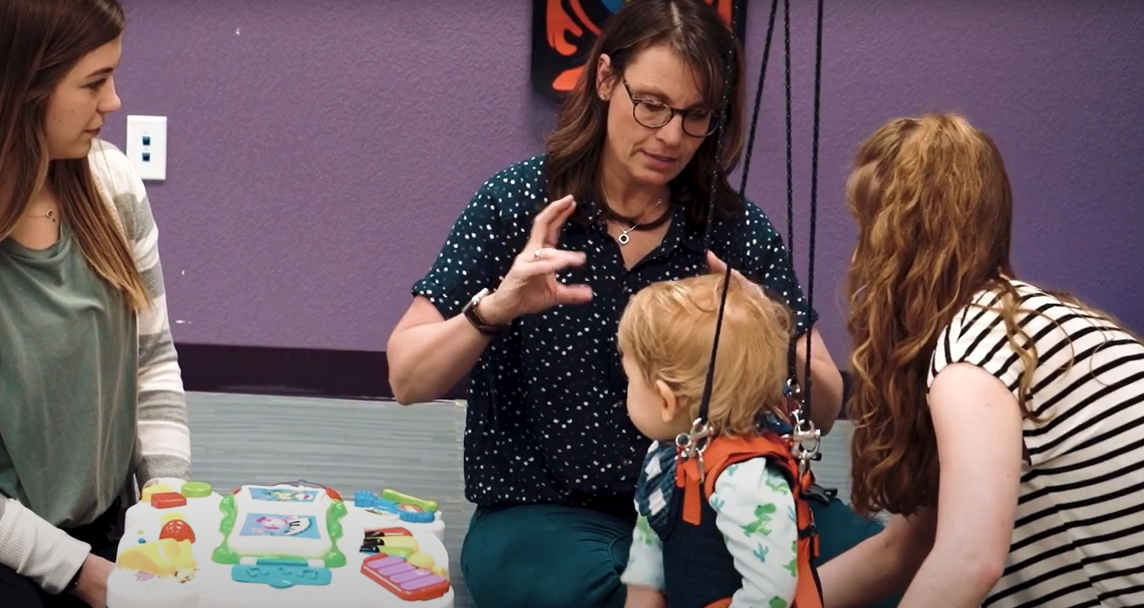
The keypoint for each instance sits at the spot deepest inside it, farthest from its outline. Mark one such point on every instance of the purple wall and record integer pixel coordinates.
(319, 152)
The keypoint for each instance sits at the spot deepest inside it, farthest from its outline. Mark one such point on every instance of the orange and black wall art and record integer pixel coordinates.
(564, 30)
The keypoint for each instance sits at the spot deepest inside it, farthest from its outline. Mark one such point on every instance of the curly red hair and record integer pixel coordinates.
(934, 210)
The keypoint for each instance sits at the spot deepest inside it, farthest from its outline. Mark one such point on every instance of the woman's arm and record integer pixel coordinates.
(434, 345)
(825, 380)
(766, 261)
(977, 421)
(428, 354)
(880, 566)
(36, 549)
(164, 436)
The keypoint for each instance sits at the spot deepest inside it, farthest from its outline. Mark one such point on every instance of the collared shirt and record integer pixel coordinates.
(547, 418)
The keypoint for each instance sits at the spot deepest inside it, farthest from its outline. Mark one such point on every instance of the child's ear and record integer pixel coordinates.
(670, 406)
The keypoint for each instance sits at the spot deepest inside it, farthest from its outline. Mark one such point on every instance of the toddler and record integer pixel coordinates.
(724, 532)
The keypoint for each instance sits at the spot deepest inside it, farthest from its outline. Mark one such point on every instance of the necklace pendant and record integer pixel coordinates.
(623, 238)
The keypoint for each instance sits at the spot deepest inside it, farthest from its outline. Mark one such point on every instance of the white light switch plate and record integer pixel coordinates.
(147, 146)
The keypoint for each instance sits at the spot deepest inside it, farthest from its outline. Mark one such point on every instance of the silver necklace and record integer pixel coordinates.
(624, 238)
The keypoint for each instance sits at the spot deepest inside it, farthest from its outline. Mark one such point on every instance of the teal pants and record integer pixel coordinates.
(548, 556)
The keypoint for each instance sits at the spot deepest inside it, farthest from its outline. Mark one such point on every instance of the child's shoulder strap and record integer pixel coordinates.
(725, 451)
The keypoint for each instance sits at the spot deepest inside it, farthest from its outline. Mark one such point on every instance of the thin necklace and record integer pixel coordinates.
(624, 238)
(50, 214)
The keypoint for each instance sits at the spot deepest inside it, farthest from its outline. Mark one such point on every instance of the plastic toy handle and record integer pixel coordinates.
(429, 506)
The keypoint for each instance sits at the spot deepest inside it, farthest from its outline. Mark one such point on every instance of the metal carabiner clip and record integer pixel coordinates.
(692, 443)
(806, 441)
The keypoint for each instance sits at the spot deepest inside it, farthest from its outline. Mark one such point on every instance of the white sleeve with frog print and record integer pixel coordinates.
(755, 511)
(645, 560)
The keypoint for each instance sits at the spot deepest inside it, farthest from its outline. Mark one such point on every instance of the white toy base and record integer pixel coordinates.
(175, 554)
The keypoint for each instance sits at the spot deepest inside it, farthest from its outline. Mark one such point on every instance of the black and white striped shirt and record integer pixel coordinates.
(1079, 534)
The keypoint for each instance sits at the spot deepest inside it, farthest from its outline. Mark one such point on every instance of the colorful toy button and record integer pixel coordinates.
(148, 492)
(390, 541)
(168, 500)
(403, 579)
(425, 506)
(281, 574)
(196, 489)
(177, 529)
(407, 508)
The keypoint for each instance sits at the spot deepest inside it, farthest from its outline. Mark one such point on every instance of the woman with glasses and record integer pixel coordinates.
(527, 292)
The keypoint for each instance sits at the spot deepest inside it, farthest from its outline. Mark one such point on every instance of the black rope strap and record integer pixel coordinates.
(805, 393)
(792, 357)
(705, 402)
(813, 198)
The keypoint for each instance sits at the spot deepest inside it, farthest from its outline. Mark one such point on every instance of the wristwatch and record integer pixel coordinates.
(470, 312)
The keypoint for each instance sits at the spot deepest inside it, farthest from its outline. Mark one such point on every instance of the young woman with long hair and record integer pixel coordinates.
(91, 396)
(997, 420)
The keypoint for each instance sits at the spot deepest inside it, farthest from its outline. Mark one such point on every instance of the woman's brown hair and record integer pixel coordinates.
(934, 209)
(40, 42)
(700, 36)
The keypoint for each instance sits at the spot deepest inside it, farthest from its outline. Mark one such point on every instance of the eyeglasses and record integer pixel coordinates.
(654, 114)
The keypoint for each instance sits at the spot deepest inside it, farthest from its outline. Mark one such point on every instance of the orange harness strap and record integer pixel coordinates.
(724, 451)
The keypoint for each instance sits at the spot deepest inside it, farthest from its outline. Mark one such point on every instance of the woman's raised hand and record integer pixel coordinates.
(531, 286)
(718, 266)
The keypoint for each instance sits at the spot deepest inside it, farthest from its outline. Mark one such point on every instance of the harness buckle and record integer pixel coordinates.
(820, 494)
(806, 441)
(692, 443)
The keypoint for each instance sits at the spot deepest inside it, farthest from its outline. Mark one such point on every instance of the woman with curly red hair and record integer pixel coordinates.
(998, 421)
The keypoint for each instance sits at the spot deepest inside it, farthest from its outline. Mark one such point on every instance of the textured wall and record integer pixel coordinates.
(320, 149)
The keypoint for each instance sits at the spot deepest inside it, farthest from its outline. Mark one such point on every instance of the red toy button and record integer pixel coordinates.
(168, 500)
(177, 530)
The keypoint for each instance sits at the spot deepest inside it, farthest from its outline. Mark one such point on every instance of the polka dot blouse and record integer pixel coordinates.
(547, 420)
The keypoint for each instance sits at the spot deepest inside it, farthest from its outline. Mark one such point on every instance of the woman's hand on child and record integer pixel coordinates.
(531, 286)
(718, 266)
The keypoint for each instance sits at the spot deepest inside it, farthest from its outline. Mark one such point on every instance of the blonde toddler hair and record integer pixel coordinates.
(668, 329)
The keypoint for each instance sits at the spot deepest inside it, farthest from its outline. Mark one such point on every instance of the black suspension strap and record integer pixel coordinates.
(792, 357)
(693, 443)
(813, 195)
(808, 439)
(706, 398)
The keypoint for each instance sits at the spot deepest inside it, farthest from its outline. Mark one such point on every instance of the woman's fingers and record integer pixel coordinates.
(718, 266)
(573, 294)
(549, 260)
(546, 225)
(715, 264)
(556, 225)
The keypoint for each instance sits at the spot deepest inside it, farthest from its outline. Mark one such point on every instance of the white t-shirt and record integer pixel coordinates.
(1079, 534)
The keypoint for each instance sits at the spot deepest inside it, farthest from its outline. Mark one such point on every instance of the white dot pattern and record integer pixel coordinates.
(547, 420)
